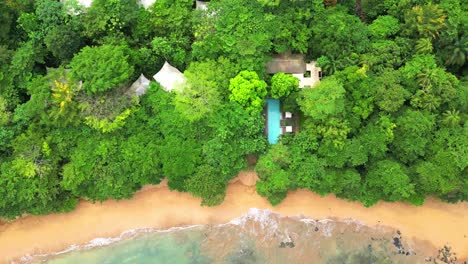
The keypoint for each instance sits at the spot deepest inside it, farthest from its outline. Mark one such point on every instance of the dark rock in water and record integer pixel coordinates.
(286, 244)
(397, 243)
(316, 229)
(289, 244)
(447, 256)
(244, 256)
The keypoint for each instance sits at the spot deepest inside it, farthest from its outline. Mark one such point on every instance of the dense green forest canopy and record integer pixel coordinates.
(387, 122)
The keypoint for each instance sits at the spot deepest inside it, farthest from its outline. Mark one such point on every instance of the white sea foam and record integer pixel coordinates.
(102, 241)
(257, 215)
(266, 221)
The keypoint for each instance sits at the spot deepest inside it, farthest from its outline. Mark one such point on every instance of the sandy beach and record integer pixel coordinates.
(435, 222)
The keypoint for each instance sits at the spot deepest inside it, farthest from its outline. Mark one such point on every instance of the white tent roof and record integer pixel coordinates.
(140, 86)
(85, 3)
(147, 3)
(169, 77)
(201, 5)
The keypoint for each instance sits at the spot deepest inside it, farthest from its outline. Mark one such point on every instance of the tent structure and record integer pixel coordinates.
(147, 3)
(201, 5)
(85, 3)
(169, 77)
(140, 86)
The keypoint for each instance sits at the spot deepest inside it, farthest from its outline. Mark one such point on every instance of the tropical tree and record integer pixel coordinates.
(424, 46)
(384, 27)
(339, 36)
(119, 20)
(248, 91)
(236, 29)
(207, 184)
(391, 179)
(427, 21)
(101, 68)
(326, 100)
(457, 51)
(206, 83)
(413, 134)
(451, 117)
(283, 84)
(272, 170)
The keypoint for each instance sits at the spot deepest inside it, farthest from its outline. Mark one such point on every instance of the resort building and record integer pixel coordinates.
(169, 77)
(307, 73)
(277, 122)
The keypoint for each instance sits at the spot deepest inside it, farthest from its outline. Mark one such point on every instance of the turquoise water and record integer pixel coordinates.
(175, 247)
(257, 237)
(274, 119)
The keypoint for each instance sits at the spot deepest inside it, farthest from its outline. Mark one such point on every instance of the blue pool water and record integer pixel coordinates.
(274, 118)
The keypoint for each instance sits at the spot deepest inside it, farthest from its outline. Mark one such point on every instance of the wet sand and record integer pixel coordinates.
(436, 223)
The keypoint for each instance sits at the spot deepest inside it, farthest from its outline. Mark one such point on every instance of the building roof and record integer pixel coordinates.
(140, 86)
(169, 77)
(287, 63)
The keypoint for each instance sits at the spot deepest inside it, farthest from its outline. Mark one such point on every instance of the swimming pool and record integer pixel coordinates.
(274, 118)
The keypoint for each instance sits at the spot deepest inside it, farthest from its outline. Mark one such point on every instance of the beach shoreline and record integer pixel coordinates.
(157, 207)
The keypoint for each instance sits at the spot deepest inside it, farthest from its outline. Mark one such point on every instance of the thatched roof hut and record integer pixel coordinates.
(169, 77)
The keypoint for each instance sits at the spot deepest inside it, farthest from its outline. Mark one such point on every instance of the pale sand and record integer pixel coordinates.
(156, 207)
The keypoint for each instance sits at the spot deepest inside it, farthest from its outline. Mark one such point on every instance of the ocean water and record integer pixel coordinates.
(257, 237)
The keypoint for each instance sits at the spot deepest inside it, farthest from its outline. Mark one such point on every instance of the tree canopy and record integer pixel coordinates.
(101, 68)
(386, 122)
(248, 91)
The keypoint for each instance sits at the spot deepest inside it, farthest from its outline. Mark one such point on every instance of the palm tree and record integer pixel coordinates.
(457, 52)
(327, 63)
(425, 100)
(424, 46)
(426, 20)
(451, 118)
(426, 77)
